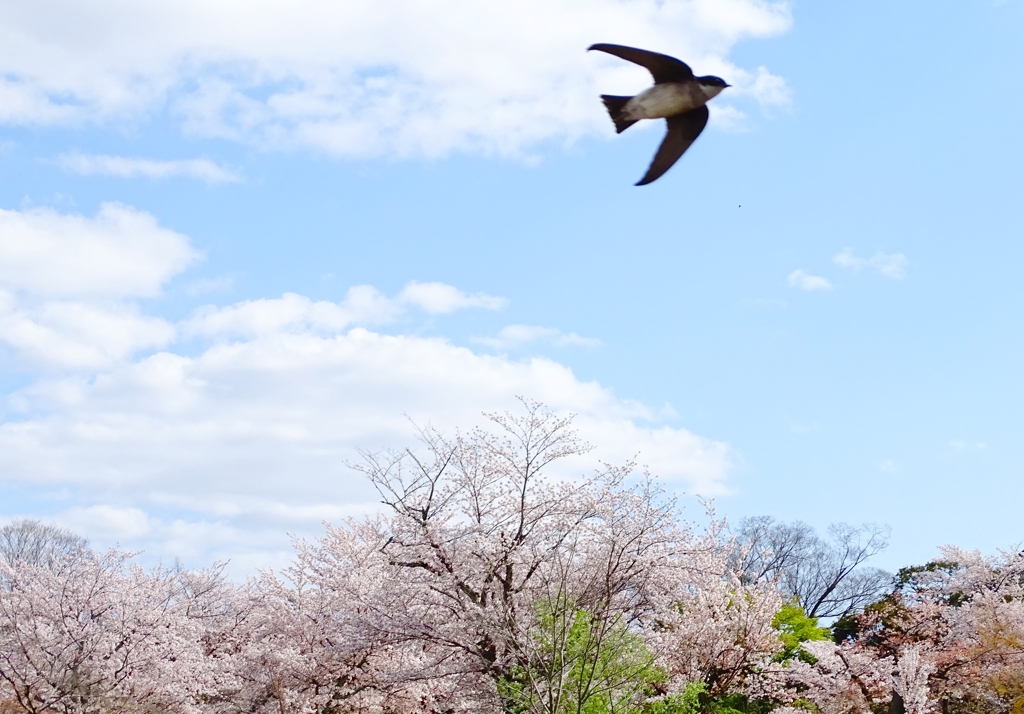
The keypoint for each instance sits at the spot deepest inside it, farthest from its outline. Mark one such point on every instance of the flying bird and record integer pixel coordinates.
(677, 97)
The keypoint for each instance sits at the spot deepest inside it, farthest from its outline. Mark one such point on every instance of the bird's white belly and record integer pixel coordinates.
(664, 100)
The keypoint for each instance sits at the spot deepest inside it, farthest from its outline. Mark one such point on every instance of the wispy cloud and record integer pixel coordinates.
(358, 79)
(203, 286)
(964, 449)
(363, 305)
(805, 429)
(889, 466)
(804, 281)
(137, 167)
(728, 118)
(962, 445)
(439, 298)
(891, 265)
(769, 89)
(513, 336)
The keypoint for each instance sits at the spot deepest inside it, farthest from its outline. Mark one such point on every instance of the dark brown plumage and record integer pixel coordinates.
(677, 96)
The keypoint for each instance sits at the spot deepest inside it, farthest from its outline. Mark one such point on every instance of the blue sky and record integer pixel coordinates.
(814, 315)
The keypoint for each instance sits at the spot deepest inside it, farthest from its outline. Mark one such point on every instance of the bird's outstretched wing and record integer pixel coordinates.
(663, 67)
(683, 129)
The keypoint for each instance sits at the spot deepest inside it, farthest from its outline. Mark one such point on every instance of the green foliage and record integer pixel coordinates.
(889, 614)
(907, 580)
(578, 663)
(514, 691)
(795, 628)
(687, 701)
(581, 664)
(846, 628)
(695, 700)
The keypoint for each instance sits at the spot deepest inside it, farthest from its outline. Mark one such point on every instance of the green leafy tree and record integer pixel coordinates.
(582, 664)
(796, 627)
(687, 701)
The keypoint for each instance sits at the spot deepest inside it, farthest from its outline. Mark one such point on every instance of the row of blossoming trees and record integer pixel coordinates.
(485, 587)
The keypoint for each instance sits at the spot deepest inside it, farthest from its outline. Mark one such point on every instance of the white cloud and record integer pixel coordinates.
(441, 298)
(210, 285)
(223, 450)
(67, 284)
(800, 279)
(253, 435)
(67, 333)
(728, 118)
(291, 312)
(107, 521)
(400, 78)
(132, 167)
(121, 252)
(769, 89)
(363, 305)
(891, 265)
(512, 336)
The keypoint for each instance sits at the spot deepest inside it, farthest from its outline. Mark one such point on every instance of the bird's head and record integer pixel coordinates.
(712, 85)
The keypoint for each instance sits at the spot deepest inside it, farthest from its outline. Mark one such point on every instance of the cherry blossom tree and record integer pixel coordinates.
(316, 640)
(964, 616)
(910, 685)
(87, 632)
(842, 679)
(717, 631)
(481, 550)
(84, 632)
(949, 638)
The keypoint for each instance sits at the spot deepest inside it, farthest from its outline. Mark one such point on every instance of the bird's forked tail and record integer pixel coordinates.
(615, 105)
